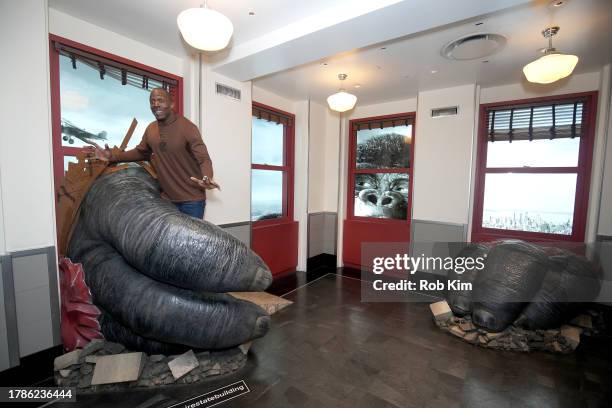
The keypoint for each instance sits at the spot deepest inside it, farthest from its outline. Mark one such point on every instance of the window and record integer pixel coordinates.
(272, 164)
(534, 160)
(380, 170)
(95, 96)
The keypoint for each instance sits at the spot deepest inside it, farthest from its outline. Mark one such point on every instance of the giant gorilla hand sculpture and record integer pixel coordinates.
(158, 275)
(525, 285)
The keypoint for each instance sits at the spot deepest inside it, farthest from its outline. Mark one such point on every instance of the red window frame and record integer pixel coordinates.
(287, 168)
(352, 169)
(60, 151)
(582, 170)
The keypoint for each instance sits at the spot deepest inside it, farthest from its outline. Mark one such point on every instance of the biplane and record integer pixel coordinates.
(70, 131)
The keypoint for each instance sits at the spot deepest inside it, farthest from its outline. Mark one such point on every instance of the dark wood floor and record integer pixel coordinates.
(331, 350)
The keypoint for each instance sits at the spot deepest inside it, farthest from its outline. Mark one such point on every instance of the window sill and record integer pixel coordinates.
(489, 234)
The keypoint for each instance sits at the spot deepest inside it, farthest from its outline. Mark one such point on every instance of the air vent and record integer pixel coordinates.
(474, 46)
(228, 91)
(442, 112)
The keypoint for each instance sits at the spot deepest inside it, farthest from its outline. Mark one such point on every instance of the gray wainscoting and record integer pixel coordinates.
(322, 233)
(603, 249)
(439, 239)
(9, 347)
(30, 315)
(241, 230)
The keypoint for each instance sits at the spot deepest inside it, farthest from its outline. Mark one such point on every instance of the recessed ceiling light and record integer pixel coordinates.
(251, 13)
(383, 48)
(434, 71)
(357, 86)
(324, 64)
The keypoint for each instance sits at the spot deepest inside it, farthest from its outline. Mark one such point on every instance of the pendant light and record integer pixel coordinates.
(205, 29)
(553, 65)
(341, 101)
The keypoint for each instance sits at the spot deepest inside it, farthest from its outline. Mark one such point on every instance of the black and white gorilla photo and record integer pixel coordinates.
(384, 194)
(381, 195)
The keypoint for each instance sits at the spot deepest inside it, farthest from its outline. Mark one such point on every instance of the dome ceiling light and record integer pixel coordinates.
(474, 46)
(205, 29)
(553, 65)
(341, 101)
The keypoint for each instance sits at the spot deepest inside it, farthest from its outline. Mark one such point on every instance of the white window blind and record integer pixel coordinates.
(557, 120)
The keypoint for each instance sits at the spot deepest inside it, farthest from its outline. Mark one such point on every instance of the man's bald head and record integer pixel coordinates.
(162, 91)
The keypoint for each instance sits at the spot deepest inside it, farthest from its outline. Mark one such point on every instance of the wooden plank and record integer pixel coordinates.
(75, 185)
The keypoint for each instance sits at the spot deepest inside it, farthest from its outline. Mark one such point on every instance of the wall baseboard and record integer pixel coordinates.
(321, 260)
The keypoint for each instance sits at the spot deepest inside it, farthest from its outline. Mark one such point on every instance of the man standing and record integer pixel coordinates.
(174, 147)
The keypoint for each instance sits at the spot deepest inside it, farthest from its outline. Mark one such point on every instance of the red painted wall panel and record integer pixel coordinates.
(359, 232)
(277, 245)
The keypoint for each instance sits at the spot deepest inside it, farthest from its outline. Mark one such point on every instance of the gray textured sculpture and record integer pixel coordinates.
(526, 285)
(158, 275)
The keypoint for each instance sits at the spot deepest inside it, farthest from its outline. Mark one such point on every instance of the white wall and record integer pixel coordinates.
(443, 156)
(25, 145)
(271, 99)
(574, 83)
(331, 154)
(300, 205)
(89, 34)
(226, 130)
(2, 238)
(605, 213)
(317, 176)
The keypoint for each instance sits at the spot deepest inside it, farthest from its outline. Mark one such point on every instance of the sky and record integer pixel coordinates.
(550, 194)
(366, 134)
(102, 105)
(267, 186)
(267, 142)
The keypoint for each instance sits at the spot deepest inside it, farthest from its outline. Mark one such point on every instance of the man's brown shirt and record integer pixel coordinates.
(176, 152)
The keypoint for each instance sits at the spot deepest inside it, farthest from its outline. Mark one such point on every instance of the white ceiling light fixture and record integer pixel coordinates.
(205, 29)
(553, 65)
(341, 101)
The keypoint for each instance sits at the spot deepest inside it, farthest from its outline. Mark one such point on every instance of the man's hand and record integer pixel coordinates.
(99, 153)
(206, 183)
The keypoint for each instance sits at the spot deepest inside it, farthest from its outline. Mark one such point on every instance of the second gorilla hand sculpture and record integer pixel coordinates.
(158, 275)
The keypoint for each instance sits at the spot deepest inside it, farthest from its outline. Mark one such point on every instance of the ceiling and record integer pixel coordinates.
(153, 22)
(404, 67)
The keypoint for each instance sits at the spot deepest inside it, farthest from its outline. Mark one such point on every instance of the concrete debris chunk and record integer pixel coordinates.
(92, 347)
(183, 364)
(441, 310)
(66, 360)
(245, 347)
(584, 321)
(571, 335)
(91, 359)
(457, 331)
(117, 368)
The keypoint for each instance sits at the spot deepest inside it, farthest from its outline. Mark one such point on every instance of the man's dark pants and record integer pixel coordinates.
(193, 208)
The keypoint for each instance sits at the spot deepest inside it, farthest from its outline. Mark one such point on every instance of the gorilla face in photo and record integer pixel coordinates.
(381, 195)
